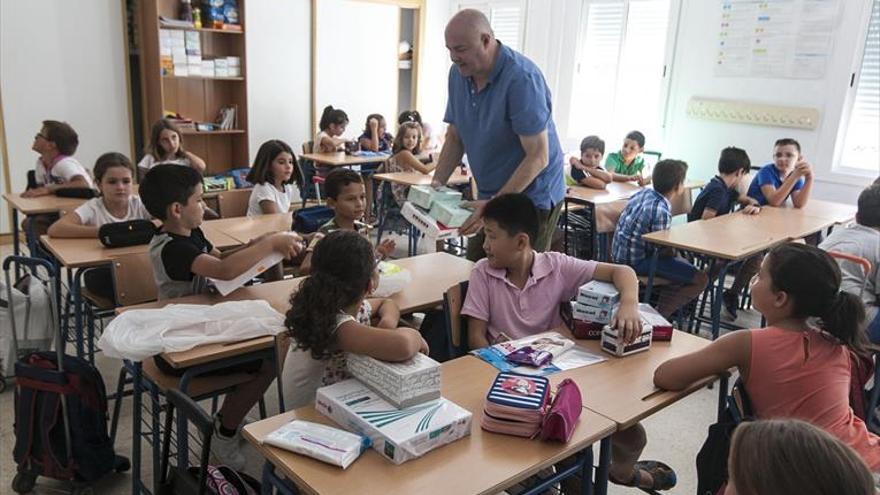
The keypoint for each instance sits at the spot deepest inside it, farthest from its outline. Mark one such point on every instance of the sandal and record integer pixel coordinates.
(662, 475)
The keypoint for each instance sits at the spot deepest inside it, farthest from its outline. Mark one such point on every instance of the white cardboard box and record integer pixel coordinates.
(598, 293)
(402, 384)
(399, 435)
(425, 224)
(612, 344)
(593, 314)
(449, 214)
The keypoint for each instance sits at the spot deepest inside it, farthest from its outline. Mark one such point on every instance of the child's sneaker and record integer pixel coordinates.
(227, 450)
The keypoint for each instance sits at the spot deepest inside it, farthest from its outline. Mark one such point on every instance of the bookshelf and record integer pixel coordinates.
(196, 97)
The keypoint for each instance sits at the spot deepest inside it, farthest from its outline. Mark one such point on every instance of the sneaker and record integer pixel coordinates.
(730, 303)
(227, 450)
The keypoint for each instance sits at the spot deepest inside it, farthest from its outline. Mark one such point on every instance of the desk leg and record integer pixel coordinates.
(651, 269)
(77, 312)
(135, 428)
(16, 238)
(565, 225)
(716, 303)
(272, 483)
(280, 386)
(604, 464)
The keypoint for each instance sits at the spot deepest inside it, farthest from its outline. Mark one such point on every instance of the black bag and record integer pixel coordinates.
(130, 233)
(712, 458)
(308, 220)
(76, 192)
(40, 446)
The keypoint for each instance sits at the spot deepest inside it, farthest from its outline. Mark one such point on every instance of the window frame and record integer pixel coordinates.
(566, 84)
(838, 170)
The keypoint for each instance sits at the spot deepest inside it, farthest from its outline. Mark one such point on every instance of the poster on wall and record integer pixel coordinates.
(775, 39)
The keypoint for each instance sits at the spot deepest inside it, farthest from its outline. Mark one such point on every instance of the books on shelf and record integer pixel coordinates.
(175, 23)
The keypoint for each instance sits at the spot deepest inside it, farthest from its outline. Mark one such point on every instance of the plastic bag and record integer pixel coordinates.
(140, 333)
(392, 279)
(325, 443)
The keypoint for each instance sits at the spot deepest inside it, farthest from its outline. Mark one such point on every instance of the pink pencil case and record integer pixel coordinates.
(515, 404)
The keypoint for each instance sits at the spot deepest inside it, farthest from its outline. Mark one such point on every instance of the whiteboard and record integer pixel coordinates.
(356, 60)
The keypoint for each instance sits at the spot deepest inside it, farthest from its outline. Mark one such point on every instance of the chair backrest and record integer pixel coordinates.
(651, 158)
(233, 203)
(456, 324)
(133, 280)
(306, 172)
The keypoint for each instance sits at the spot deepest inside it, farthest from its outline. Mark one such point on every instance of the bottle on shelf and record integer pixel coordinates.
(186, 10)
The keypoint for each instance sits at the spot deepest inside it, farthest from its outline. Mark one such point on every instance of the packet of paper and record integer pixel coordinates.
(403, 384)
(322, 442)
(425, 224)
(399, 435)
(594, 314)
(598, 293)
(225, 287)
(613, 344)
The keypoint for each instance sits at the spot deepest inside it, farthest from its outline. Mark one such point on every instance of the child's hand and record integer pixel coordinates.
(386, 247)
(288, 244)
(574, 162)
(373, 123)
(803, 168)
(424, 349)
(751, 210)
(37, 191)
(627, 322)
(388, 321)
(643, 181)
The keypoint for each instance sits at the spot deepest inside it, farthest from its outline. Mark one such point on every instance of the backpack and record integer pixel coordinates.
(308, 220)
(40, 445)
(712, 459)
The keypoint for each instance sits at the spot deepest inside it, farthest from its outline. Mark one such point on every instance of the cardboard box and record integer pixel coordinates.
(650, 316)
(587, 330)
(449, 214)
(593, 314)
(399, 435)
(402, 384)
(425, 224)
(426, 196)
(612, 344)
(207, 68)
(420, 196)
(598, 293)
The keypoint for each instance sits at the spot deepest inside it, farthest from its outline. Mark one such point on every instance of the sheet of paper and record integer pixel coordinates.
(225, 287)
(572, 357)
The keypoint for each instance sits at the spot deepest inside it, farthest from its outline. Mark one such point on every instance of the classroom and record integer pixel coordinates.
(440, 246)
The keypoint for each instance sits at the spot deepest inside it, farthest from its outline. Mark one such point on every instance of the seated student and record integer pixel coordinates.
(793, 369)
(114, 174)
(429, 142)
(166, 146)
(347, 197)
(182, 260)
(792, 457)
(332, 126)
(332, 313)
(720, 194)
(863, 240)
(516, 292)
(272, 176)
(788, 175)
(588, 170)
(626, 165)
(56, 167)
(648, 211)
(404, 153)
(375, 136)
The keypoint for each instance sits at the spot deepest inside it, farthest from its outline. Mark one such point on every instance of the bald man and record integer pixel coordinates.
(499, 114)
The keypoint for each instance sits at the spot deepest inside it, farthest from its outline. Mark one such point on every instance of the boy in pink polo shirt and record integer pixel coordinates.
(516, 292)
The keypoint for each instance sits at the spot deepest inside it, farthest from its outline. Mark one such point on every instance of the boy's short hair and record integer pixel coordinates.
(876, 182)
(638, 137)
(788, 142)
(167, 184)
(339, 178)
(62, 135)
(668, 174)
(868, 213)
(593, 142)
(733, 159)
(514, 213)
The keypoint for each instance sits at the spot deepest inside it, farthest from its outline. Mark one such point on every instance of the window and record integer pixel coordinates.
(618, 82)
(861, 144)
(506, 18)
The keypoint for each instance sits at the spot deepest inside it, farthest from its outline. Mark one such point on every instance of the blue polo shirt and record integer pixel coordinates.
(515, 102)
(769, 174)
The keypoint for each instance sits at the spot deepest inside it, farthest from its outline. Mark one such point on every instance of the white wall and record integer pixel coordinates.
(62, 60)
(699, 141)
(435, 63)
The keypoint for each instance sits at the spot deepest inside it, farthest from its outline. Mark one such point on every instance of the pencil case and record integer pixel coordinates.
(515, 404)
(560, 421)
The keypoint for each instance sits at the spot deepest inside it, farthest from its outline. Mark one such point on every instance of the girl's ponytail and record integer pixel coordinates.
(843, 318)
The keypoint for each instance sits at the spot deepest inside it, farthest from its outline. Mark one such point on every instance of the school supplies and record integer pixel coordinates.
(218, 183)
(598, 294)
(426, 196)
(612, 341)
(662, 329)
(392, 279)
(225, 287)
(321, 442)
(561, 419)
(399, 435)
(515, 404)
(424, 223)
(594, 314)
(310, 219)
(402, 384)
(128, 233)
(449, 214)
(566, 355)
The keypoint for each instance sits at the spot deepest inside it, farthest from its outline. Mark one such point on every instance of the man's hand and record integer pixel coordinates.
(474, 223)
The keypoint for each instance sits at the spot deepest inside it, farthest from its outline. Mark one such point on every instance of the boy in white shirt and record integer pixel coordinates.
(56, 167)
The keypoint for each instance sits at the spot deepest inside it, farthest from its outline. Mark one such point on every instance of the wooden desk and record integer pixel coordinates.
(838, 212)
(41, 204)
(419, 179)
(243, 229)
(340, 159)
(431, 275)
(480, 463)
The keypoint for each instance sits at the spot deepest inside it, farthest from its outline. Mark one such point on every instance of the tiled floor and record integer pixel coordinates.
(674, 434)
